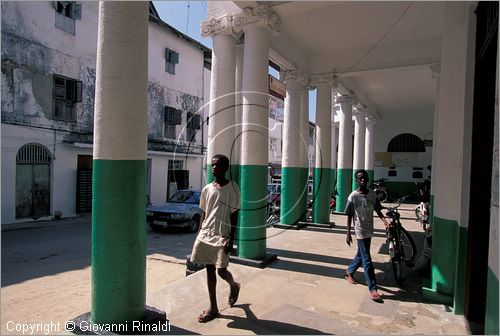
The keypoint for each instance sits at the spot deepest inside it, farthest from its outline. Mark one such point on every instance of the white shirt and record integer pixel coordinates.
(218, 203)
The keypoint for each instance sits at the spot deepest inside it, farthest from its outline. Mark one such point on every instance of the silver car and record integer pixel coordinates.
(181, 210)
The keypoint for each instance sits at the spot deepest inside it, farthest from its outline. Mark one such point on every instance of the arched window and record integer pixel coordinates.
(32, 181)
(406, 142)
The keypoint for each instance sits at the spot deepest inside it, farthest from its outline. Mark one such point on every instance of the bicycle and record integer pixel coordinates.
(273, 217)
(380, 189)
(402, 248)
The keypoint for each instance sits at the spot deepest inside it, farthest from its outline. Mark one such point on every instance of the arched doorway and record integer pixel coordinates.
(32, 181)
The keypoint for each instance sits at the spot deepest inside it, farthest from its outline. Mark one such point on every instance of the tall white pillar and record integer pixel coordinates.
(369, 147)
(344, 170)
(305, 153)
(322, 173)
(334, 150)
(119, 167)
(359, 143)
(256, 23)
(222, 90)
(291, 167)
(238, 118)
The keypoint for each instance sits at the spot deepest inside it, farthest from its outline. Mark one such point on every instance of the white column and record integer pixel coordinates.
(256, 24)
(322, 174)
(238, 118)
(291, 164)
(359, 142)
(369, 147)
(305, 153)
(334, 150)
(222, 87)
(344, 170)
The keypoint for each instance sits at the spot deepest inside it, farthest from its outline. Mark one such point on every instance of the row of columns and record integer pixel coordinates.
(238, 128)
(238, 114)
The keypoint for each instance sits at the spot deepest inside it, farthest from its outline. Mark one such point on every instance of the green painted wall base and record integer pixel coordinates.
(444, 256)
(400, 189)
(252, 216)
(118, 240)
(434, 296)
(344, 178)
(322, 186)
(292, 188)
(491, 318)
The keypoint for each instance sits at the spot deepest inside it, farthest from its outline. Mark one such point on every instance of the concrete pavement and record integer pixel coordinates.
(304, 292)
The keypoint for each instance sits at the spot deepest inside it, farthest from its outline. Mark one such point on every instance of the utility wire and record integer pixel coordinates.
(378, 42)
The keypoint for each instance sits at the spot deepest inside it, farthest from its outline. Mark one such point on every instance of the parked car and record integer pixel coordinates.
(181, 210)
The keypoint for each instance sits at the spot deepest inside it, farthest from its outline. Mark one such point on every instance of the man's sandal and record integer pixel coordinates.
(233, 297)
(350, 279)
(375, 296)
(207, 316)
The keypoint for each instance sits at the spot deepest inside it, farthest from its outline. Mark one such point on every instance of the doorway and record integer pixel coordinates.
(32, 181)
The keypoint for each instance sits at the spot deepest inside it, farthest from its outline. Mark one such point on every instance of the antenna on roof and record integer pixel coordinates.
(187, 21)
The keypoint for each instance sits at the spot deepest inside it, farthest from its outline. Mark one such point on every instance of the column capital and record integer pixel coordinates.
(359, 112)
(261, 15)
(436, 70)
(371, 120)
(328, 79)
(221, 25)
(296, 75)
(346, 99)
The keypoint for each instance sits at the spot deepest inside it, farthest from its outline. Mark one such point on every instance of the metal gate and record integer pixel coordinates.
(32, 181)
(84, 184)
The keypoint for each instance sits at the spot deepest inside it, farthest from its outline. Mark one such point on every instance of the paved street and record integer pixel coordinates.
(46, 278)
(46, 268)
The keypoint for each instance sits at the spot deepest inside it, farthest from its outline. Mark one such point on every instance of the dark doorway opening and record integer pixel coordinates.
(482, 159)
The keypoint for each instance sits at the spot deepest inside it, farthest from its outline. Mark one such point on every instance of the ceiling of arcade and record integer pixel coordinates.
(382, 51)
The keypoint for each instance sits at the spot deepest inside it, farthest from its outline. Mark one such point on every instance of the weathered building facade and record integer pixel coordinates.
(48, 89)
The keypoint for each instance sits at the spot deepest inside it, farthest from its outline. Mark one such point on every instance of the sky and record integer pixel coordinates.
(186, 17)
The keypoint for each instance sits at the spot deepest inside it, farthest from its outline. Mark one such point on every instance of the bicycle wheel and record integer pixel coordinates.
(408, 250)
(396, 268)
(272, 220)
(381, 195)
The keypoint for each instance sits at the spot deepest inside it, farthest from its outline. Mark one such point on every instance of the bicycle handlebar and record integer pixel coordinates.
(398, 201)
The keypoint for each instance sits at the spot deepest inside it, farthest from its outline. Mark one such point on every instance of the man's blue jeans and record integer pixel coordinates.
(364, 258)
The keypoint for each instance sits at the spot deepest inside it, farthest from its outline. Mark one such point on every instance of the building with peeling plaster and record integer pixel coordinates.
(48, 89)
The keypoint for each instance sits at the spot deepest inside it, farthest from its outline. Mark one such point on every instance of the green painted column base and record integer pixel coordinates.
(321, 208)
(371, 175)
(344, 178)
(333, 180)
(233, 174)
(252, 216)
(459, 292)
(118, 240)
(292, 188)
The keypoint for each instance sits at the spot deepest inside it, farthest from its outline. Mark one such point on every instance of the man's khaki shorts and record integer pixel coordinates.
(206, 254)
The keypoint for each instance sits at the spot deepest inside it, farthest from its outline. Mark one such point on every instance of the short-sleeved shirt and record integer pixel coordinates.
(361, 206)
(218, 203)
